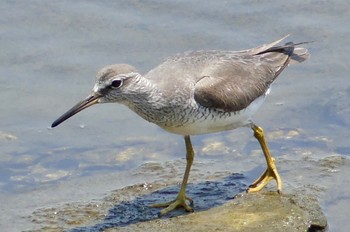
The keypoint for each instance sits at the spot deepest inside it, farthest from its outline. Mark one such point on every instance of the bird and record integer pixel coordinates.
(199, 92)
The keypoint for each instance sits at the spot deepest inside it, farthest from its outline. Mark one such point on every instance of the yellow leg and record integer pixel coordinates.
(271, 170)
(181, 198)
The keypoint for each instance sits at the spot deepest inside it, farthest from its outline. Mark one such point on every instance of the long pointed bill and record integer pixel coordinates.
(89, 101)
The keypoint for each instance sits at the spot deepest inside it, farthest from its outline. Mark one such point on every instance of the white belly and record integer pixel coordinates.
(216, 123)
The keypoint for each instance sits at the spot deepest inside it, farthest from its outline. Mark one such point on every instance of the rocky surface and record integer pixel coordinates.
(264, 211)
(128, 209)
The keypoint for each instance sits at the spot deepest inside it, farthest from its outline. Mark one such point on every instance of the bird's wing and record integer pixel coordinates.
(264, 47)
(238, 79)
(232, 85)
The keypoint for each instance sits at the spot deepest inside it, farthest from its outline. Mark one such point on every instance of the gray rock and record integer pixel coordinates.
(265, 211)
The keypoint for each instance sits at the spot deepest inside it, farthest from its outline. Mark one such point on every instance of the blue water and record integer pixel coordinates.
(51, 50)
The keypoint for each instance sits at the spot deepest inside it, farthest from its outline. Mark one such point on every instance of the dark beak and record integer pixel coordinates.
(89, 101)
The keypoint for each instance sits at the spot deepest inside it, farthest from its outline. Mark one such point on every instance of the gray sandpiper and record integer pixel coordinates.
(199, 92)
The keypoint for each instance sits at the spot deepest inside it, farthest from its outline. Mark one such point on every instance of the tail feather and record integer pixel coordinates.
(265, 47)
(295, 54)
(281, 56)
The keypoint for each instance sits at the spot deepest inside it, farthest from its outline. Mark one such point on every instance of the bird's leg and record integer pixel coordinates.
(181, 198)
(271, 170)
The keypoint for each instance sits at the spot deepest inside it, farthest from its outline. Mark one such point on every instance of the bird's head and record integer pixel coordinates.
(111, 82)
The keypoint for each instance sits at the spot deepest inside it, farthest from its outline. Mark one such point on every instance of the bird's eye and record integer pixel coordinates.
(116, 83)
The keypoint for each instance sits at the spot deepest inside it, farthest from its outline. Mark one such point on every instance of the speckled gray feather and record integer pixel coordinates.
(226, 80)
(196, 92)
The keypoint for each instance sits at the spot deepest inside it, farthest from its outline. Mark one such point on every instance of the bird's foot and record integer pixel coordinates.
(269, 174)
(180, 201)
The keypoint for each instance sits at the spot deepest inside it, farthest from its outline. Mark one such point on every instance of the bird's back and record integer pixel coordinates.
(208, 91)
(225, 80)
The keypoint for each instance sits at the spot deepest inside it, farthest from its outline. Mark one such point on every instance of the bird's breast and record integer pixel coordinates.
(203, 120)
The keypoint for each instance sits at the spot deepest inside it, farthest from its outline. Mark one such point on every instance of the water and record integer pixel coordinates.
(52, 50)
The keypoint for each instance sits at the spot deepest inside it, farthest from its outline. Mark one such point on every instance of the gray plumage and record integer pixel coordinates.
(227, 80)
(196, 93)
(190, 93)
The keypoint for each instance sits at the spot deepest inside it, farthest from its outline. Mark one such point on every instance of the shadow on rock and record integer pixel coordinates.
(206, 195)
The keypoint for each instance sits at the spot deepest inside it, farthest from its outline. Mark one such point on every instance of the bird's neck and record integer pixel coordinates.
(145, 99)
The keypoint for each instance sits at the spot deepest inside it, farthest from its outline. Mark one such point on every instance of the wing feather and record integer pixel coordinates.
(234, 82)
(232, 86)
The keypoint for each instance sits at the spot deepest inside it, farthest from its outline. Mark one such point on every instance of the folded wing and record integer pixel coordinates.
(235, 81)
